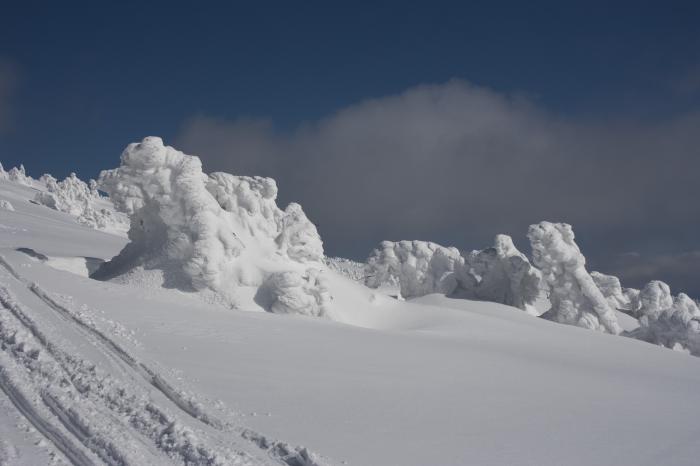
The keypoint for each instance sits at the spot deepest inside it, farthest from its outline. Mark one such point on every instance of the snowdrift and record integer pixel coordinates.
(213, 233)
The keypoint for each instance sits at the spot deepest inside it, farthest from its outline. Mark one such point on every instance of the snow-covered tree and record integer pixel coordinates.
(623, 299)
(575, 298)
(211, 232)
(420, 267)
(673, 322)
(499, 274)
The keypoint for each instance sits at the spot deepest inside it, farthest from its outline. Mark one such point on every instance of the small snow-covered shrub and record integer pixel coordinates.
(6, 205)
(212, 232)
(353, 270)
(668, 321)
(420, 267)
(575, 298)
(79, 199)
(499, 274)
(16, 175)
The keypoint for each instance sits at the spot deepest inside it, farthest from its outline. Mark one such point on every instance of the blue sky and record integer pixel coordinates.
(93, 76)
(79, 81)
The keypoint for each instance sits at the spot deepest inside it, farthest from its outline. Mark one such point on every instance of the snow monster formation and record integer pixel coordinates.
(499, 274)
(213, 232)
(575, 298)
(673, 322)
(420, 267)
(622, 299)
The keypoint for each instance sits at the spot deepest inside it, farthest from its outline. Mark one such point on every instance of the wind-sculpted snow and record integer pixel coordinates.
(420, 267)
(575, 298)
(500, 274)
(673, 322)
(79, 199)
(6, 205)
(623, 299)
(665, 320)
(213, 232)
(292, 293)
(346, 267)
(16, 175)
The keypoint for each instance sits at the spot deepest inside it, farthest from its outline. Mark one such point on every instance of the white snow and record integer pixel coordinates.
(82, 201)
(217, 233)
(121, 372)
(500, 274)
(575, 298)
(420, 267)
(673, 322)
(6, 205)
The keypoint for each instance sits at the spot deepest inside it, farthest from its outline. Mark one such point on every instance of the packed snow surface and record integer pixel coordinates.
(128, 371)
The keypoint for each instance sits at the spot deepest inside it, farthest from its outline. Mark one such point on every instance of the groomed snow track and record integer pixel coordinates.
(129, 415)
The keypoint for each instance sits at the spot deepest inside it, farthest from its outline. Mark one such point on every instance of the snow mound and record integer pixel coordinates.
(420, 267)
(79, 199)
(575, 298)
(292, 293)
(673, 322)
(211, 232)
(6, 205)
(500, 274)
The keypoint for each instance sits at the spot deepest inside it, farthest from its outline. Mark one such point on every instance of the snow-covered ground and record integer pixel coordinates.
(129, 372)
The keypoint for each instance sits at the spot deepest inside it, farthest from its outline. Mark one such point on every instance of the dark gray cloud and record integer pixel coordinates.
(456, 164)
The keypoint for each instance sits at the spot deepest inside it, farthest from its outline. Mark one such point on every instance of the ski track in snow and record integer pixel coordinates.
(89, 415)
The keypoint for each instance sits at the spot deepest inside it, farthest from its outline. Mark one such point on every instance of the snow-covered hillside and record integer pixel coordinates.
(169, 354)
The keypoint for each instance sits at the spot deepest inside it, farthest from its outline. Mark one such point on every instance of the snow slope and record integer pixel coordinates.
(96, 372)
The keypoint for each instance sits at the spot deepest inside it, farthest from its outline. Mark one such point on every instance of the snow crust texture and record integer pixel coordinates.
(574, 296)
(213, 232)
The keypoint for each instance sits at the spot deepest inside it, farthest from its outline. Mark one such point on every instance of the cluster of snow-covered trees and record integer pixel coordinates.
(505, 275)
(500, 273)
(72, 196)
(217, 232)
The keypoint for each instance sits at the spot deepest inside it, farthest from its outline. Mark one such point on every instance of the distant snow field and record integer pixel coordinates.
(186, 318)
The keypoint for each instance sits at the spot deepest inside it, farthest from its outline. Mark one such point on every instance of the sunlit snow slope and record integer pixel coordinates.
(98, 372)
